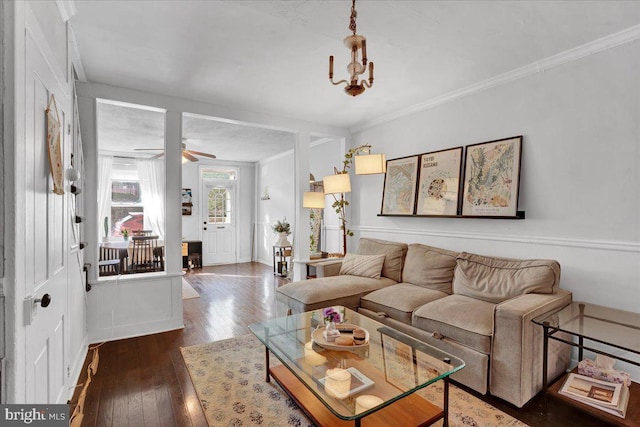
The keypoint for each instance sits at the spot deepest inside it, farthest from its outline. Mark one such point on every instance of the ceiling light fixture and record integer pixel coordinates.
(354, 43)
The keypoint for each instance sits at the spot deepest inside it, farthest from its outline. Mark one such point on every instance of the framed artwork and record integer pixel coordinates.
(399, 193)
(53, 145)
(399, 367)
(492, 178)
(186, 195)
(439, 182)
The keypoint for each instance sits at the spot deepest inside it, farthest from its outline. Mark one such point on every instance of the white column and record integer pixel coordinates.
(173, 183)
(302, 228)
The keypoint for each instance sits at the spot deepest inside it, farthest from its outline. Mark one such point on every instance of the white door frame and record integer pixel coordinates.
(235, 203)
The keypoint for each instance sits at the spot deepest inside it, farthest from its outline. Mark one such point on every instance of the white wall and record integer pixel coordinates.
(191, 224)
(276, 174)
(579, 181)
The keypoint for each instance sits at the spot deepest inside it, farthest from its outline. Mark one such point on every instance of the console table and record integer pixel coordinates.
(616, 329)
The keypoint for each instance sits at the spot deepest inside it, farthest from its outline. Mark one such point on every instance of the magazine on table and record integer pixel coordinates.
(609, 397)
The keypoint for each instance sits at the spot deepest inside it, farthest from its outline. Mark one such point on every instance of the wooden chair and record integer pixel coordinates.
(145, 255)
(142, 232)
(110, 262)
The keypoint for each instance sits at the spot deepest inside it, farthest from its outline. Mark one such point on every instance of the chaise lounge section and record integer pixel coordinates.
(476, 307)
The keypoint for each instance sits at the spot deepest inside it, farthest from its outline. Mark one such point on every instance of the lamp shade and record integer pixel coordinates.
(338, 183)
(313, 199)
(369, 164)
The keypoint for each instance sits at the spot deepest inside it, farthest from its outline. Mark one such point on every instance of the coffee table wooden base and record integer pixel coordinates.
(412, 410)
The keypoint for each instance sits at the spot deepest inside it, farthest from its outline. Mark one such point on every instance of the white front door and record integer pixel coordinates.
(45, 256)
(218, 223)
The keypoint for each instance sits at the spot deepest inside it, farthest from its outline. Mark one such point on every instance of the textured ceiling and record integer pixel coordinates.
(272, 56)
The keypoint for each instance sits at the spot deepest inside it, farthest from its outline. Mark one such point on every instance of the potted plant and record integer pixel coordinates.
(125, 234)
(106, 229)
(283, 229)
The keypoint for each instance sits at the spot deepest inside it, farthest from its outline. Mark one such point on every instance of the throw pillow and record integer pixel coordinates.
(362, 265)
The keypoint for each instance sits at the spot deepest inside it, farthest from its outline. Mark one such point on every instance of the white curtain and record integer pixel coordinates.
(151, 174)
(105, 164)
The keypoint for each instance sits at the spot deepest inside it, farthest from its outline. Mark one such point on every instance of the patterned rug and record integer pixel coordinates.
(229, 377)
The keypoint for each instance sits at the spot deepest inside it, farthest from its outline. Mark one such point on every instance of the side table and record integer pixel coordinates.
(614, 328)
(281, 259)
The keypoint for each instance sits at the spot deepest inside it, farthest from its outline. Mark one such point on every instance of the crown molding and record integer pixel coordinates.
(604, 43)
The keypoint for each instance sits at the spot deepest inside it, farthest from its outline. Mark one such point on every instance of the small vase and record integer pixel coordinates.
(282, 239)
(126, 238)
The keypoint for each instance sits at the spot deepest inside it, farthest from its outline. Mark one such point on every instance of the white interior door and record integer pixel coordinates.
(45, 241)
(218, 223)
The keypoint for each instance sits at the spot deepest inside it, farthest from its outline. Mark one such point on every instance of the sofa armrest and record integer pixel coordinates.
(516, 356)
(328, 268)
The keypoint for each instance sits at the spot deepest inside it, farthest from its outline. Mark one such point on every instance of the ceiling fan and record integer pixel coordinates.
(186, 154)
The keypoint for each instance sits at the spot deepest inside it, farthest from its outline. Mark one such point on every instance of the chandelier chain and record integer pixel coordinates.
(354, 15)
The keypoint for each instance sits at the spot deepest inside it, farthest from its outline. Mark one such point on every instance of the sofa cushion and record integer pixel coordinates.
(466, 320)
(429, 267)
(362, 265)
(399, 301)
(306, 295)
(394, 255)
(499, 279)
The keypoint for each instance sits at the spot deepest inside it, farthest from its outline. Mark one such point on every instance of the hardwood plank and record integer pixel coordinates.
(412, 410)
(231, 297)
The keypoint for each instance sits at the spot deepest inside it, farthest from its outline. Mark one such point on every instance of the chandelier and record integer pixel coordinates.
(355, 43)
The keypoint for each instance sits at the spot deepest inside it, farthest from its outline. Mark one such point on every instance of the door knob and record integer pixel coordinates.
(44, 301)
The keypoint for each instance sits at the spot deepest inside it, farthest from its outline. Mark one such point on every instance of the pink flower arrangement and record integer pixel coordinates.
(331, 315)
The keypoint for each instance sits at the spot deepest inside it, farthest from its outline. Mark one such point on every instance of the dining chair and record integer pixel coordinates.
(143, 232)
(110, 261)
(145, 255)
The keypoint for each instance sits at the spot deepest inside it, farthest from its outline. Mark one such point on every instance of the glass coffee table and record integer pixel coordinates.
(372, 383)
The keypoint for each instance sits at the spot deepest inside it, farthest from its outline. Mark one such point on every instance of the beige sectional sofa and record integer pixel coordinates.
(476, 307)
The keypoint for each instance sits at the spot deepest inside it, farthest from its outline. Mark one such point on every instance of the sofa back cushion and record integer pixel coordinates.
(394, 255)
(499, 279)
(362, 265)
(429, 267)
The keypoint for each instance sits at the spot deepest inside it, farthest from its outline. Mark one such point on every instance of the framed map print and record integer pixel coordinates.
(439, 182)
(399, 193)
(492, 178)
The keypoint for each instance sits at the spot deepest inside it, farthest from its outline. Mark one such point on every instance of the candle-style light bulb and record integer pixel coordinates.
(331, 67)
(364, 52)
(370, 71)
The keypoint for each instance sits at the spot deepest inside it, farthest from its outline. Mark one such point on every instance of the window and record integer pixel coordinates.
(127, 211)
(219, 208)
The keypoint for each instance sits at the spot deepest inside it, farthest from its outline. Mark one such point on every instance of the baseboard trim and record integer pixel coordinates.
(76, 368)
(537, 240)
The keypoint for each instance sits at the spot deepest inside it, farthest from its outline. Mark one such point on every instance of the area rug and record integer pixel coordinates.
(187, 291)
(229, 377)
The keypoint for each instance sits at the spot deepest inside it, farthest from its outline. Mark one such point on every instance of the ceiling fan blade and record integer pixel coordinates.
(148, 149)
(188, 156)
(199, 153)
(157, 156)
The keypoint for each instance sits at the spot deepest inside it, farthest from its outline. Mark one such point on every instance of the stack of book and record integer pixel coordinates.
(606, 396)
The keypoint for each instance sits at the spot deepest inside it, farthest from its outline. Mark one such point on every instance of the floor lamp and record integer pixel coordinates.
(334, 185)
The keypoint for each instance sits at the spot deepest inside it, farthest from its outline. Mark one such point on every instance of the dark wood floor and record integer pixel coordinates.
(144, 382)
